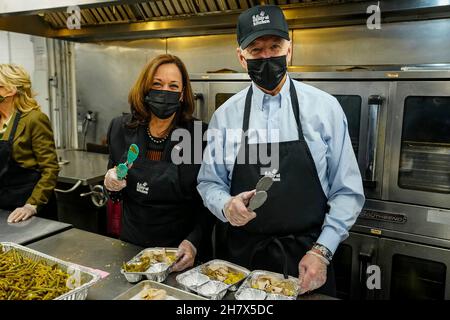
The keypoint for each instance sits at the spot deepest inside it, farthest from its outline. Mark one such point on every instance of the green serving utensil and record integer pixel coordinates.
(122, 169)
(133, 153)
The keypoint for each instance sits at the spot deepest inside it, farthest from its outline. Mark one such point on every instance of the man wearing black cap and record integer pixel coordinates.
(317, 194)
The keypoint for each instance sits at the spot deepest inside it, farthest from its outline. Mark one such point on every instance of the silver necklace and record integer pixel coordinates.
(156, 140)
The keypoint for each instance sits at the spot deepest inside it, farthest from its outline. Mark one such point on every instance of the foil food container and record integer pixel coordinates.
(214, 290)
(156, 271)
(247, 292)
(134, 293)
(196, 281)
(86, 277)
(250, 294)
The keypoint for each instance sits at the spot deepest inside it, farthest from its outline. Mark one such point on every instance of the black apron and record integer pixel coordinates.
(156, 212)
(17, 183)
(290, 221)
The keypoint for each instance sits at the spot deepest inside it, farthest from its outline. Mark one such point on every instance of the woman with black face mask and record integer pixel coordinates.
(161, 206)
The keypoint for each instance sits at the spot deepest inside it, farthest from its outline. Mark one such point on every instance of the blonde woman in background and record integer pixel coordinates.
(28, 161)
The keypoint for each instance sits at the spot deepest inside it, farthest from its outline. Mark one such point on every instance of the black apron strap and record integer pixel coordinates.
(294, 104)
(14, 128)
(265, 243)
(248, 105)
(285, 257)
(295, 109)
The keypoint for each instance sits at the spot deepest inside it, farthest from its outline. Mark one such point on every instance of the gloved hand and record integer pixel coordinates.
(312, 272)
(236, 210)
(22, 213)
(112, 183)
(185, 256)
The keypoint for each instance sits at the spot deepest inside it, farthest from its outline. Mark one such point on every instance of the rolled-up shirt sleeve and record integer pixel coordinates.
(213, 182)
(346, 193)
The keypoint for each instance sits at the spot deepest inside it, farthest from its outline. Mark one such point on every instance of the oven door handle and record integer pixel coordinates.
(374, 105)
(199, 105)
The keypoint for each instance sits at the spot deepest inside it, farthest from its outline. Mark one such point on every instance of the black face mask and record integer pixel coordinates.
(162, 103)
(267, 73)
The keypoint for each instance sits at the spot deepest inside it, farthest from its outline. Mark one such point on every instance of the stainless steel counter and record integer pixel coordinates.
(87, 167)
(29, 230)
(106, 254)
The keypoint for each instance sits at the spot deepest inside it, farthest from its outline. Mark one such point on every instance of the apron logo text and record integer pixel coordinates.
(273, 173)
(142, 187)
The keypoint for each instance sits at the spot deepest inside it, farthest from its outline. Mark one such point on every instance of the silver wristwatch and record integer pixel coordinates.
(323, 250)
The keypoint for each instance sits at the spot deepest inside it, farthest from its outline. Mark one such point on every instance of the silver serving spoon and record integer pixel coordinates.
(257, 200)
(264, 184)
(260, 196)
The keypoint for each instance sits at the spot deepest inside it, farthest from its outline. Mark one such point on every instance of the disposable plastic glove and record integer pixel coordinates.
(22, 213)
(312, 272)
(112, 183)
(236, 210)
(185, 256)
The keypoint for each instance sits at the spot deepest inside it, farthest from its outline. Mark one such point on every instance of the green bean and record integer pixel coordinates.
(25, 279)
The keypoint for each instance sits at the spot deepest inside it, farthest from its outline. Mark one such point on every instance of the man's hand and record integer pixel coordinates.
(185, 256)
(312, 273)
(22, 213)
(236, 210)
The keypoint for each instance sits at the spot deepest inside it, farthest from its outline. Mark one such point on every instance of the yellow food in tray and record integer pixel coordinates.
(22, 278)
(271, 284)
(223, 273)
(148, 258)
(137, 266)
(149, 293)
(157, 256)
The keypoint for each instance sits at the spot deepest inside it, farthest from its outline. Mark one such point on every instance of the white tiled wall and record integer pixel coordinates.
(29, 52)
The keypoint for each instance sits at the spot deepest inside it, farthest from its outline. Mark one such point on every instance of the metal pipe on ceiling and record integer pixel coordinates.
(165, 18)
(14, 7)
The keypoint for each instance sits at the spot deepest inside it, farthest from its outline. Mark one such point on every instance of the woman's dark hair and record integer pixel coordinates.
(143, 84)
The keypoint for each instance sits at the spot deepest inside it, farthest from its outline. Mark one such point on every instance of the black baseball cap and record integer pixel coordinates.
(261, 21)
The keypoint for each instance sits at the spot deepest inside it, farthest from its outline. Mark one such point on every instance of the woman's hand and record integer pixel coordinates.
(22, 213)
(185, 256)
(112, 183)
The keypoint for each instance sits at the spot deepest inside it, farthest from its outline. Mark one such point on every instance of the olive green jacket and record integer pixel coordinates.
(34, 148)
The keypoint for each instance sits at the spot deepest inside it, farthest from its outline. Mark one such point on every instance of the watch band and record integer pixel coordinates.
(324, 251)
(318, 255)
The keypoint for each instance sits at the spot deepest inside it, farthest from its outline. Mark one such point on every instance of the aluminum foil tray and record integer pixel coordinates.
(247, 292)
(158, 275)
(87, 277)
(196, 281)
(172, 293)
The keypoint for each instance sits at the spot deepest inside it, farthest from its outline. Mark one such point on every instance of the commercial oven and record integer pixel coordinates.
(399, 124)
(413, 271)
(215, 89)
(365, 106)
(419, 144)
